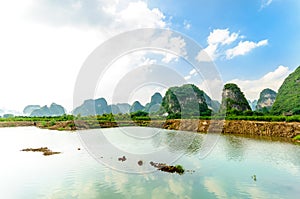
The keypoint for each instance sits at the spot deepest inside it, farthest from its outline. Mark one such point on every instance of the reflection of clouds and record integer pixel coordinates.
(179, 189)
(215, 187)
(256, 192)
(176, 189)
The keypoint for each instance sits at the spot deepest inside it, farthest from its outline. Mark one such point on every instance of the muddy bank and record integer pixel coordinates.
(252, 128)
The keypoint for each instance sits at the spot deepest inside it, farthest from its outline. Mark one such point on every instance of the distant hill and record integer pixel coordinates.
(185, 100)
(92, 107)
(233, 99)
(136, 106)
(123, 107)
(214, 105)
(288, 97)
(53, 110)
(155, 103)
(28, 109)
(114, 109)
(266, 99)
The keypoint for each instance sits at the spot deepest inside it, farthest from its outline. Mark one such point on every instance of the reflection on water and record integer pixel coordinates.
(185, 142)
(234, 148)
(225, 173)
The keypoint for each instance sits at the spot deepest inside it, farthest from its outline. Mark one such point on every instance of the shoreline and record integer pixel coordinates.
(243, 127)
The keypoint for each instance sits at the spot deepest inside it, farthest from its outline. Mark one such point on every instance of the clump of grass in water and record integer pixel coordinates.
(179, 169)
(254, 177)
(168, 168)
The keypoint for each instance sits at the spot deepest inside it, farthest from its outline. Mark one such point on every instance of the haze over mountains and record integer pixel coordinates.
(188, 97)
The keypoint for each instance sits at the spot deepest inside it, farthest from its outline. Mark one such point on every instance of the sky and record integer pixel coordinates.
(45, 43)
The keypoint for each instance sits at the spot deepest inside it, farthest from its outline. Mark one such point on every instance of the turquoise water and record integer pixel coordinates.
(226, 172)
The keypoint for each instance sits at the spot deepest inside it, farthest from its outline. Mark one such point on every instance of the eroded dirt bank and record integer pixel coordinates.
(255, 128)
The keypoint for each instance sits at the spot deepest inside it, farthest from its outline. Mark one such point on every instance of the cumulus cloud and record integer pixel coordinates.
(111, 16)
(216, 38)
(57, 36)
(265, 3)
(219, 42)
(221, 36)
(168, 57)
(272, 80)
(187, 25)
(244, 47)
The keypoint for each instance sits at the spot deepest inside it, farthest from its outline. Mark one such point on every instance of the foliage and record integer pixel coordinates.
(52, 122)
(266, 94)
(288, 97)
(185, 101)
(297, 137)
(179, 169)
(140, 115)
(136, 106)
(233, 100)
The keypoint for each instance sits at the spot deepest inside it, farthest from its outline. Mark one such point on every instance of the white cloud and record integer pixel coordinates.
(218, 42)
(168, 57)
(265, 3)
(272, 80)
(138, 15)
(212, 87)
(193, 72)
(188, 77)
(187, 25)
(216, 38)
(221, 36)
(208, 54)
(110, 16)
(42, 52)
(244, 47)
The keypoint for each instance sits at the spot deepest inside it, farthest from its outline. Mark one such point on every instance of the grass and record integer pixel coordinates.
(179, 169)
(297, 137)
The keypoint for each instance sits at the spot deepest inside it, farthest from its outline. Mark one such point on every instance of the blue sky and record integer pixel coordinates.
(254, 43)
(278, 22)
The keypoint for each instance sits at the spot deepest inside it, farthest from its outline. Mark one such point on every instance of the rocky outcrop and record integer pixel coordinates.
(124, 107)
(136, 106)
(28, 109)
(186, 100)
(214, 105)
(92, 107)
(53, 110)
(266, 99)
(233, 99)
(154, 104)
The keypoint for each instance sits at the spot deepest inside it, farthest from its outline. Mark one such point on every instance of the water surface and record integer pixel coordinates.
(224, 173)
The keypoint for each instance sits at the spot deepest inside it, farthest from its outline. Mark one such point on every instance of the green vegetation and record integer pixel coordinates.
(136, 106)
(38, 119)
(297, 138)
(288, 97)
(233, 100)
(266, 100)
(184, 101)
(179, 169)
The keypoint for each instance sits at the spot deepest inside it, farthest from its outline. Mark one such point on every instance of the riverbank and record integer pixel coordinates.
(254, 128)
